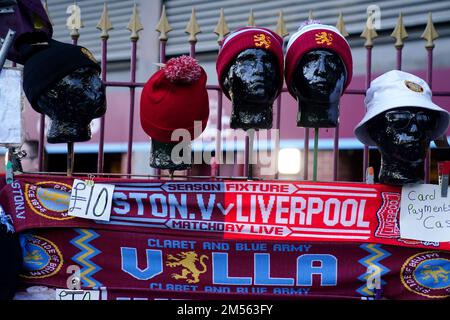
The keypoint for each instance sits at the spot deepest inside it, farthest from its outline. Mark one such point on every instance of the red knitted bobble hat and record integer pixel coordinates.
(174, 98)
(247, 38)
(312, 36)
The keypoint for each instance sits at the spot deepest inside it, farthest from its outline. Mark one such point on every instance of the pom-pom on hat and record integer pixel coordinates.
(247, 38)
(398, 89)
(174, 98)
(48, 63)
(312, 36)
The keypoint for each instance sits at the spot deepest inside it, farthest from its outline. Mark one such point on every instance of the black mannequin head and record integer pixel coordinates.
(318, 83)
(72, 103)
(252, 82)
(161, 156)
(403, 136)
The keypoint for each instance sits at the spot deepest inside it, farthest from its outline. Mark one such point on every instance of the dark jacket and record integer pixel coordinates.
(10, 263)
(31, 23)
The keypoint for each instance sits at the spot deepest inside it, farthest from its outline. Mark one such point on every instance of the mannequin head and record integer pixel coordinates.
(252, 82)
(319, 67)
(318, 83)
(249, 68)
(401, 120)
(72, 103)
(62, 81)
(403, 136)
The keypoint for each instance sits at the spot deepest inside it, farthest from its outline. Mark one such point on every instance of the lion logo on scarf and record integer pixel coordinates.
(187, 260)
(427, 274)
(34, 257)
(41, 257)
(434, 272)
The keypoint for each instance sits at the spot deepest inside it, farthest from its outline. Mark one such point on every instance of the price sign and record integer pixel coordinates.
(77, 295)
(424, 213)
(91, 201)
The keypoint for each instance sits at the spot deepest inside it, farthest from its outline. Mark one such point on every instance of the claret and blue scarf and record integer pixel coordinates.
(225, 240)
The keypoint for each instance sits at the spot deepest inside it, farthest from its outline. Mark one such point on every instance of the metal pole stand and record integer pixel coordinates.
(316, 153)
(70, 158)
(249, 155)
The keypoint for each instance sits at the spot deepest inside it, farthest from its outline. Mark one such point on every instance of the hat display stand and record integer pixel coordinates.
(71, 123)
(401, 120)
(252, 95)
(318, 94)
(319, 67)
(249, 69)
(68, 90)
(174, 100)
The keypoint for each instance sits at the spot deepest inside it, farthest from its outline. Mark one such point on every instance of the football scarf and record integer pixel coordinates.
(240, 210)
(121, 265)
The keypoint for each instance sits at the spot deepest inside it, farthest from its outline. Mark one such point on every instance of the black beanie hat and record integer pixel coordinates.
(48, 63)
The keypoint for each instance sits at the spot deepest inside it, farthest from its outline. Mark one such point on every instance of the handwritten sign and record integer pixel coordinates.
(77, 295)
(91, 201)
(424, 214)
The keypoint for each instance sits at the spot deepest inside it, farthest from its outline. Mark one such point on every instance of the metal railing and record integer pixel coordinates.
(163, 27)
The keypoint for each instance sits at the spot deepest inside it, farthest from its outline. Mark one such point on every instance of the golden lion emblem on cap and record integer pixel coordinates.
(324, 38)
(413, 86)
(261, 40)
(89, 54)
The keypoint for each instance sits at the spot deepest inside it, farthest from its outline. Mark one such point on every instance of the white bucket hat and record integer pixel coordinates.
(397, 89)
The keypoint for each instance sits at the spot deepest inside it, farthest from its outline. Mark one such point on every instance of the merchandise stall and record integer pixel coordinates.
(77, 237)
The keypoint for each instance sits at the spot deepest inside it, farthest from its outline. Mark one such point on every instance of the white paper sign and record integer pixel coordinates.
(11, 106)
(77, 295)
(91, 202)
(424, 214)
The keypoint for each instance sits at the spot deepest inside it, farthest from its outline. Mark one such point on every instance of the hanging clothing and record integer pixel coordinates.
(30, 22)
